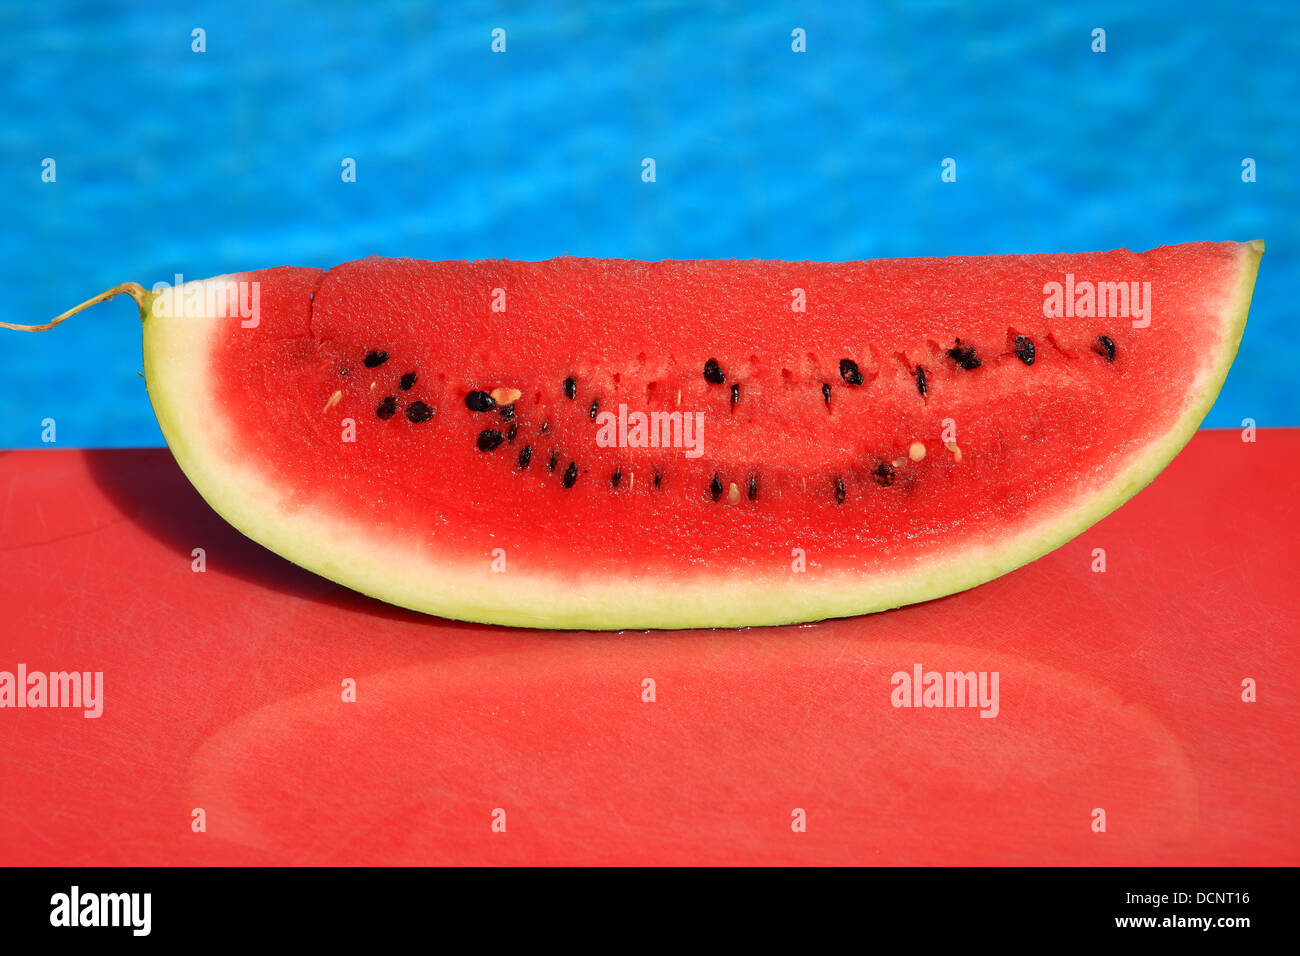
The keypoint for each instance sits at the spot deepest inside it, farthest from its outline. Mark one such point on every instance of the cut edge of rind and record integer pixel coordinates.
(327, 546)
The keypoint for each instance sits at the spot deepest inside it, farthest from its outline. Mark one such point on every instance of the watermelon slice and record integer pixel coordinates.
(620, 444)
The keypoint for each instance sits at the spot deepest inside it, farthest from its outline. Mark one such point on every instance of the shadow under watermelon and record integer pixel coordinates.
(153, 492)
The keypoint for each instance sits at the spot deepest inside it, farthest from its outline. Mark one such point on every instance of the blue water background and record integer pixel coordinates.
(175, 162)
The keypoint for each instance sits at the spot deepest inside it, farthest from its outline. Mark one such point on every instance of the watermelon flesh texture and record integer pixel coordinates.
(820, 488)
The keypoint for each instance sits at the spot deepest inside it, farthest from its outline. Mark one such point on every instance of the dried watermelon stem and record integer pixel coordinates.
(133, 289)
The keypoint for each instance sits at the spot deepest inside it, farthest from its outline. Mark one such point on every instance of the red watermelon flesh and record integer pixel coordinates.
(810, 495)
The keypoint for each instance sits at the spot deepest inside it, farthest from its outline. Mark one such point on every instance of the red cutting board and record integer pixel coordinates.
(222, 691)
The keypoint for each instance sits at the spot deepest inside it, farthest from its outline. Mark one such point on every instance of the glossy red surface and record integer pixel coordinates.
(222, 690)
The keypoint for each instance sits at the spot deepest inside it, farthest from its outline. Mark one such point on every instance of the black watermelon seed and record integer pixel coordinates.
(849, 372)
(555, 460)
(507, 412)
(418, 412)
(406, 381)
(525, 457)
(1025, 349)
(376, 358)
(753, 488)
(884, 474)
(595, 407)
(735, 394)
(546, 427)
(920, 380)
(964, 356)
(570, 387)
(658, 479)
(570, 475)
(510, 435)
(1107, 347)
(489, 439)
(387, 408)
(713, 372)
(715, 488)
(480, 402)
(616, 478)
(826, 393)
(839, 491)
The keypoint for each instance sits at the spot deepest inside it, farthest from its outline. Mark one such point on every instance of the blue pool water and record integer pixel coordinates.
(170, 161)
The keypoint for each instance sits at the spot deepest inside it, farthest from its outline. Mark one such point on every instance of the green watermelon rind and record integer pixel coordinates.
(218, 466)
